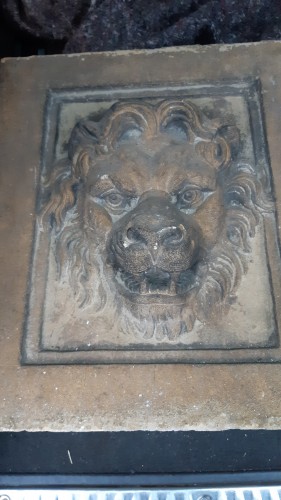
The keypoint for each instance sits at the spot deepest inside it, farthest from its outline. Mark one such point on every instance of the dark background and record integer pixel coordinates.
(56, 26)
(139, 452)
(30, 27)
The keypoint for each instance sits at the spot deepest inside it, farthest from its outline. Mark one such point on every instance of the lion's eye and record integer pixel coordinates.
(191, 198)
(114, 200)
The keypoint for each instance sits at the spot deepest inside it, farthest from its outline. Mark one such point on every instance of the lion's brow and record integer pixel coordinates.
(177, 182)
(105, 183)
(122, 187)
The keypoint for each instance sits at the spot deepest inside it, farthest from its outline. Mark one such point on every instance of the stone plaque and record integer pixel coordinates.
(155, 220)
(140, 237)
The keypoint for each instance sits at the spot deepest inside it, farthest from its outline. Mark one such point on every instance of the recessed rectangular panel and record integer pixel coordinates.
(155, 237)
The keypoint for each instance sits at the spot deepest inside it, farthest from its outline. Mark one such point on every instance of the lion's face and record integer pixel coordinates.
(159, 207)
(153, 217)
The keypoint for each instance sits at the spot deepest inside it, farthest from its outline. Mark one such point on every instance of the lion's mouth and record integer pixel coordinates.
(155, 283)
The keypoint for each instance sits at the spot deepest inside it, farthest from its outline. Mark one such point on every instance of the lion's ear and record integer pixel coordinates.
(84, 133)
(231, 135)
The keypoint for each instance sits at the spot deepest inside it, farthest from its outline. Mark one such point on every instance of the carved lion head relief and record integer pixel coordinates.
(153, 216)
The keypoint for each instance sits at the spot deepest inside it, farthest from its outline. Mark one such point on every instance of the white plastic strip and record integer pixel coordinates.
(254, 493)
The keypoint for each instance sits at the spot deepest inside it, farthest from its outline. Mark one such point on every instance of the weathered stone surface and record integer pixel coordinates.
(154, 222)
(211, 131)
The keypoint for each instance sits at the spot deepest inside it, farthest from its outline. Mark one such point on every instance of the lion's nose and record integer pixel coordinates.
(136, 235)
(170, 236)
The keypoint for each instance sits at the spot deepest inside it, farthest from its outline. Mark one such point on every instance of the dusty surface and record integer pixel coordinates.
(124, 397)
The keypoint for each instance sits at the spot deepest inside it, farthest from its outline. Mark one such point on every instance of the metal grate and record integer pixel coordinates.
(247, 493)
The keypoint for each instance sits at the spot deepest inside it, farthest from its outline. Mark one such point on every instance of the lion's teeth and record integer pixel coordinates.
(133, 286)
(172, 287)
(178, 283)
(143, 287)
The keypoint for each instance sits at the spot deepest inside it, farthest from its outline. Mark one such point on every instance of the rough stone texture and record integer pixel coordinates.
(118, 397)
(85, 25)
